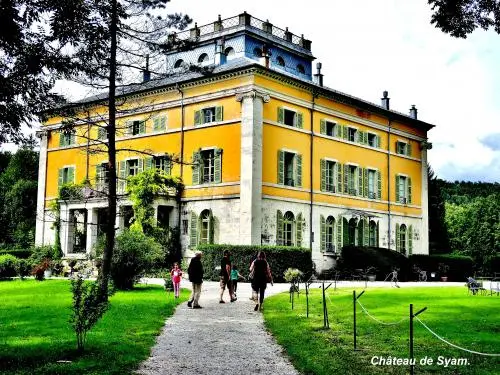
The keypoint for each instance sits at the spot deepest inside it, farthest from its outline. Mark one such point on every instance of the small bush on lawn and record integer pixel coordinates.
(40, 253)
(280, 258)
(134, 253)
(384, 261)
(8, 265)
(17, 252)
(23, 268)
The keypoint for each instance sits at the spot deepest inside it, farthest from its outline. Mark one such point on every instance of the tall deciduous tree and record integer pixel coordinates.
(461, 17)
(438, 235)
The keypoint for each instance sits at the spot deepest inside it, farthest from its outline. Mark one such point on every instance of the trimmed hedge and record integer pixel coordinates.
(460, 267)
(494, 264)
(18, 253)
(384, 260)
(280, 258)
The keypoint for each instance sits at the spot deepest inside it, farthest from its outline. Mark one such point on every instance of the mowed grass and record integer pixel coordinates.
(35, 333)
(472, 322)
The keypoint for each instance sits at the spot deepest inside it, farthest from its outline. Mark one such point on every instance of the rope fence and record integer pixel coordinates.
(378, 320)
(453, 345)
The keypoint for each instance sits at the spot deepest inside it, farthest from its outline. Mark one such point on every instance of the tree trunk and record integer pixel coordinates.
(110, 230)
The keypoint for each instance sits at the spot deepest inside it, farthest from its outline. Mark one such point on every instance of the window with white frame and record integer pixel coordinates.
(132, 167)
(330, 175)
(208, 166)
(330, 128)
(67, 137)
(289, 168)
(102, 174)
(403, 148)
(372, 184)
(372, 140)
(352, 180)
(403, 189)
(66, 176)
(208, 115)
(290, 117)
(162, 163)
(352, 134)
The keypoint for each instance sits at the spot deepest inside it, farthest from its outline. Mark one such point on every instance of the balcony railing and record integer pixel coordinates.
(243, 19)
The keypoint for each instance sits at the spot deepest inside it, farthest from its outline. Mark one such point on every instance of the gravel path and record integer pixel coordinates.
(218, 338)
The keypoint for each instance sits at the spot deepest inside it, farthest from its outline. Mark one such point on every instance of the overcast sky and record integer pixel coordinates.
(368, 46)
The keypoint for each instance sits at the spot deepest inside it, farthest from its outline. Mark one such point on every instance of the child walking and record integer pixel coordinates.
(176, 274)
(235, 276)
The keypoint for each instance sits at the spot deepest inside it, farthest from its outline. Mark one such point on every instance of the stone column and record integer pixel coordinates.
(252, 103)
(40, 200)
(91, 229)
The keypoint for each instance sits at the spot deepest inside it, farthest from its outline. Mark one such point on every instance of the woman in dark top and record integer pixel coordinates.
(261, 276)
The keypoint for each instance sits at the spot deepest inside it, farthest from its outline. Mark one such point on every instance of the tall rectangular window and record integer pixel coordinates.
(330, 128)
(372, 184)
(352, 134)
(402, 187)
(352, 179)
(162, 164)
(132, 167)
(103, 173)
(330, 176)
(208, 166)
(372, 140)
(289, 175)
(208, 115)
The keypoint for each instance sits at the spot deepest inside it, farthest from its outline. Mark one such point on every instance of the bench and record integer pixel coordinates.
(495, 287)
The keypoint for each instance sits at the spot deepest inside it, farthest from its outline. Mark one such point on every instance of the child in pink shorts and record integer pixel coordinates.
(176, 274)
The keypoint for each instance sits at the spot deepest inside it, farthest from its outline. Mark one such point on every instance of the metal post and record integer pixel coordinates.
(324, 304)
(411, 340)
(293, 294)
(307, 300)
(354, 315)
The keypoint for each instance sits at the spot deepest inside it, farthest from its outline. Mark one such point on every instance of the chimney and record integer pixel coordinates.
(218, 24)
(413, 112)
(318, 77)
(220, 57)
(146, 73)
(385, 100)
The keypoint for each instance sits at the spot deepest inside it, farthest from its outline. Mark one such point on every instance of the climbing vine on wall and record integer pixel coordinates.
(144, 188)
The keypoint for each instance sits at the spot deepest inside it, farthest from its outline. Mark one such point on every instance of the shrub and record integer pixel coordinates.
(293, 275)
(280, 258)
(459, 267)
(134, 253)
(87, 308)
(17, 252)
(8, 264)
(23, 268)
(383, 260)
(40, 253)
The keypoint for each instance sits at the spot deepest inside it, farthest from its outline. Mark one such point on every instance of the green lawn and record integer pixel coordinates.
(468, 321)
(35, 333)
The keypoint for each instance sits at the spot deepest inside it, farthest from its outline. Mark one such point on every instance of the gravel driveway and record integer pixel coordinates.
(218, 339)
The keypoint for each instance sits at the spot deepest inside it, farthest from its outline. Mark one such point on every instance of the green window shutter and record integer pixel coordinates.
(73, 138)
(339, 234)
(140, 166)
(410, 240)
(339, 177)
(129, 126)
(279, 228)
(148, 162)
(163, 123)
(198, 116)
(409, 190)
(62, 139)
(211, 222)
(378, 140)
(378, 235)
(281, 115)
(71, 175)
(366, 233)
(122, 165)
(101, 133)
(323, 174)
(408, 149)
(361, 227)
(196, 168)
(60, 181)
(142, 127)
(298, 170)
(397, 188)
(300, 120)
(298, 230)
(193, 235)
(168, 169)
(397, 237)
(345, 232)
(365, 182)
(360, 136)
(360, 181)
(281, 167)
(339, 130)
(218, 113)
(346, 179)
(344, 132)
(379, 185)
(322, 225)
(217, 165)
(322, 127)
(365, 138)
(156, 124)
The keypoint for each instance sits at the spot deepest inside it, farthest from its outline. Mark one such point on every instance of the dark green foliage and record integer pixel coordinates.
(134, 254)
(8, 264)
(384, 261)
(438, 235)
(87, 308)
(494, 264)
(170, 241)
(460, 18)
(460, 267)
(40, 253)
(17, 252)
(23, 268)
(280, 258)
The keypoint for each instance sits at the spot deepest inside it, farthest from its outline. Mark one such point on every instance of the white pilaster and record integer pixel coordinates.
(40, 200)
(424, 233)
(251, 166)
(91, 229)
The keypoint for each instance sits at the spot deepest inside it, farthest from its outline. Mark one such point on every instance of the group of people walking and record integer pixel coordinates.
(259, 274)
